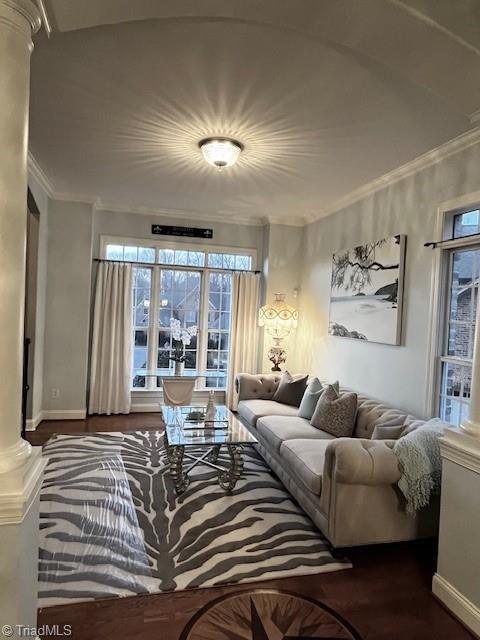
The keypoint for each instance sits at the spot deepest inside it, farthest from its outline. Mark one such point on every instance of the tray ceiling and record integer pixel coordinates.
(325, 95)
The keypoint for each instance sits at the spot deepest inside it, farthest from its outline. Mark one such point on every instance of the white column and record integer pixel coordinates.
(21, 466)
(472, 424)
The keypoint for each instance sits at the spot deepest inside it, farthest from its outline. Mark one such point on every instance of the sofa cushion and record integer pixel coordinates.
(304, 459)
(290, 390)
(336, 413)
(278, 429)
(251, 410)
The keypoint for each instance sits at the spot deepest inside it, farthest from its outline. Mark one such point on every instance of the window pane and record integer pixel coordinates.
(114, 252)
(167, 256)
(243, 262)
(455, 392)
(196, 258)
(139, 358)
(215, 260)
(141, 296)
(463, 302)
(140, 338)
(228, 261)
(130, 254)
(145, 254)
(466, 224)
(138, 381)
(213, 320)
(181, 257)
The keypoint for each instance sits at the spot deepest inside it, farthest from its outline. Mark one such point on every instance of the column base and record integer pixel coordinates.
(19, 528)
(15, 456)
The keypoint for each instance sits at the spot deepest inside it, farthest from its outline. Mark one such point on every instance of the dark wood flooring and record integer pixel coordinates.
(386, 596)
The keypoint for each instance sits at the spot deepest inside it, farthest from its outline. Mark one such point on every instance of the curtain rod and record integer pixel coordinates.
(470, 239)
(176, 266)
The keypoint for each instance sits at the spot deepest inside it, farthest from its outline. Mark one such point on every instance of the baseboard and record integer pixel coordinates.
(64, 414)
(458, 604)
(145, 408)
(32, 423)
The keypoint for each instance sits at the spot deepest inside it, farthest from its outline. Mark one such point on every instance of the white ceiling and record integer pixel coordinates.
(326, 95)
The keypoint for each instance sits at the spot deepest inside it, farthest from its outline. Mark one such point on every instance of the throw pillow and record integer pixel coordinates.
(311, 397)
(290, 390)
(388, 433)
(335, 413)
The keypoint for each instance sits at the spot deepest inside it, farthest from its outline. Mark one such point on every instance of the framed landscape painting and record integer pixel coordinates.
(366, 292)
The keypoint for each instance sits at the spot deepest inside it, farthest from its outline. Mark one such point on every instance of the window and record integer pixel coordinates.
(463, 276)
(197, 293)
(466, 224)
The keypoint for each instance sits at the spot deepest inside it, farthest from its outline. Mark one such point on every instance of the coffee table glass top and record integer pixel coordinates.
(187, 426)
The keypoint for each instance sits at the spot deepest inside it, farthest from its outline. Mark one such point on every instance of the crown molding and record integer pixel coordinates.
(301, 221)
(228, 218)
(37, 172)
(428, 159)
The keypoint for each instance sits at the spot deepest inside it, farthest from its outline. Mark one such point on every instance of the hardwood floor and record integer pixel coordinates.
(386, 596)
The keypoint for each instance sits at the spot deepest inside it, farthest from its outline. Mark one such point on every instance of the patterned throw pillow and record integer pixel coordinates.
(311, 397)
(335, 413)
(290, 390)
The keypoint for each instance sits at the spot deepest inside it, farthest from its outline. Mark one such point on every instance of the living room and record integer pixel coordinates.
(240, 319)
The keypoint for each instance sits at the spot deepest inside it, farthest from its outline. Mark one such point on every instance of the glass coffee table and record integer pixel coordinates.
(191, 440)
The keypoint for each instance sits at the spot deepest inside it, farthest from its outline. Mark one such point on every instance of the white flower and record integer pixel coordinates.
(176, 328)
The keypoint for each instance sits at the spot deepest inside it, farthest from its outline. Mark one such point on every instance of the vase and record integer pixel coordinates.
(179, 368)
(210, 412)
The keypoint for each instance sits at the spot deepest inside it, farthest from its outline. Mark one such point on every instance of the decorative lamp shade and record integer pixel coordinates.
(278, 317)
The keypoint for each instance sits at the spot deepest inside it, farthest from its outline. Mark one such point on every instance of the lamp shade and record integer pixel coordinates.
(278, 317)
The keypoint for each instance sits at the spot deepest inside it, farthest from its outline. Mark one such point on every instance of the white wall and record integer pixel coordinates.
(67, 308)
(394, 374)
(133, 225)
(282, 268)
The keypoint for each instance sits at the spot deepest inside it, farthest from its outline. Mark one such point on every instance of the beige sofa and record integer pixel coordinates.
(348, 486)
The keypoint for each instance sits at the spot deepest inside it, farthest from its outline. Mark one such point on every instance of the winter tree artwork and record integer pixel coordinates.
(366, 292)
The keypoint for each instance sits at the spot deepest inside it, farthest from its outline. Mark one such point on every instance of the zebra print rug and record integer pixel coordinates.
(111, 524)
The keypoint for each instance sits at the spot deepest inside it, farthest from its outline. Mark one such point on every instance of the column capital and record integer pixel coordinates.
(21, 15)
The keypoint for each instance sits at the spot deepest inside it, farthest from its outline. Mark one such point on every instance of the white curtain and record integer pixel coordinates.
(244, 330)
(111, 362)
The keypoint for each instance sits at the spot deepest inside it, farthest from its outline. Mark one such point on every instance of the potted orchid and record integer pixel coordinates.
(181, 338)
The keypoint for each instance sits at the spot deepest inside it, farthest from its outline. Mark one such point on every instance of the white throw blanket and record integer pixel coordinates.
(420, 462)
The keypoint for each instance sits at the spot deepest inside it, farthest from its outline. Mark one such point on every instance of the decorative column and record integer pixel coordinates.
(21, 466)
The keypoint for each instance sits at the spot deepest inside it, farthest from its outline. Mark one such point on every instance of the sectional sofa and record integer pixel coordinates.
(348, 486)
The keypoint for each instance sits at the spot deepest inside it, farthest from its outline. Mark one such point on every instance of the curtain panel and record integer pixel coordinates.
(244, 330)
(111, 361)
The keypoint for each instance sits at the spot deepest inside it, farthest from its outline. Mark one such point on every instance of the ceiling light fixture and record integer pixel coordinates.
(220, 152)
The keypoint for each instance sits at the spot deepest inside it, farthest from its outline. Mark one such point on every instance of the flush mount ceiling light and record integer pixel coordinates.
(220, 152)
